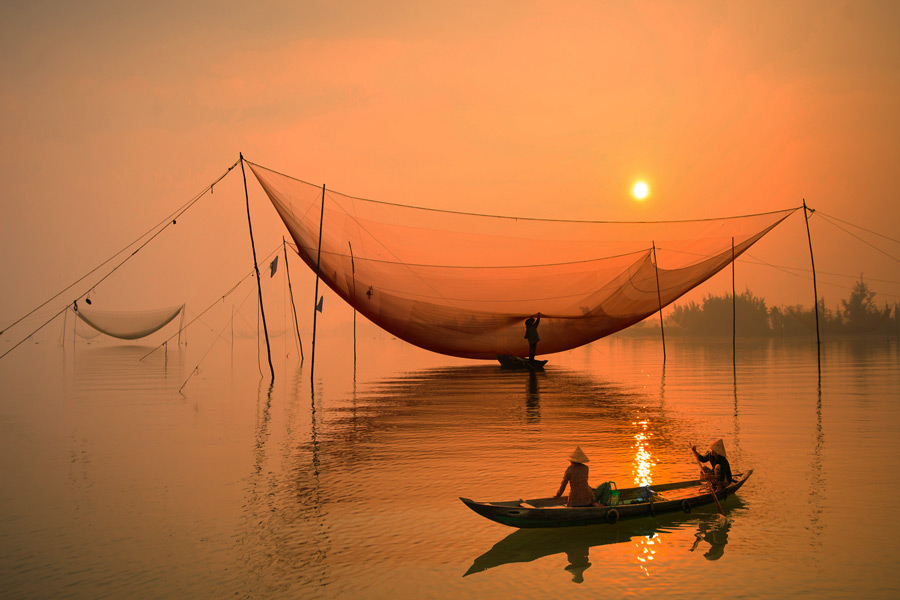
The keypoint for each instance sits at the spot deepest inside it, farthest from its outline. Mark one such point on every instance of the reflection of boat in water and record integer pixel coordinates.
(527, 545)
(633, 502)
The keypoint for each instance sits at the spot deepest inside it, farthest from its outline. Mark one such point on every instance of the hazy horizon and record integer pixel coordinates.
(114, 116)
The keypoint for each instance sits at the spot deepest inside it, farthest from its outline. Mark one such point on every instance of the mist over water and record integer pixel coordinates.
(117, 485)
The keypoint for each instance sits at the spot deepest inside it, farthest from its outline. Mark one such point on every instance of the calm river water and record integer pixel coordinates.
(115, 485)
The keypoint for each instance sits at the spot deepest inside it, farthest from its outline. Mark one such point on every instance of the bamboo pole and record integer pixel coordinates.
(659, 299)
(733, 314)
(806, 213)
(287, 270)
(312, 364)
(353, 271)
(256, 266)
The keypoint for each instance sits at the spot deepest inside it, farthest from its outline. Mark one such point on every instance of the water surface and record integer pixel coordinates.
(117, 485)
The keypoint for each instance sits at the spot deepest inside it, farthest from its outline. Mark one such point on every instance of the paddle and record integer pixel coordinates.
(716, 498)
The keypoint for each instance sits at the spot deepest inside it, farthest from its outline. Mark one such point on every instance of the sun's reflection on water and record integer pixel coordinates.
(646, 548)
(643, 459)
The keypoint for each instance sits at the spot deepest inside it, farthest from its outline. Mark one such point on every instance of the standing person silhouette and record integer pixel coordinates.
(531, 334)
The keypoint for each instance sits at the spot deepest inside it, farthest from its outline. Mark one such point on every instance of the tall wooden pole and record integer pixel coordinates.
(312, 365)
(806, 213)
(733, 314)
(256, 266)
(659, 299)
(353, 271)
(287, 271)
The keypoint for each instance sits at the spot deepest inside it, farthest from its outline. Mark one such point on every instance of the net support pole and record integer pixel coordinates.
(256, 266)
(312, 364)
(287, 270)
(812, 262)
(353, 272)
(733, 315)
(659, 299)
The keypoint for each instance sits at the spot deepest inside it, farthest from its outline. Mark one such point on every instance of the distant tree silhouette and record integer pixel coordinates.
(856, 315)
(860, 313)
(714, 316)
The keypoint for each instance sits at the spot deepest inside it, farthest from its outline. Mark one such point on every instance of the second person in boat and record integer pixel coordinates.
(576, 477)
(719, 469)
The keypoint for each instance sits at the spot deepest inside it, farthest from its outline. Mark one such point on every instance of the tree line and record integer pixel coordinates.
(858, 314)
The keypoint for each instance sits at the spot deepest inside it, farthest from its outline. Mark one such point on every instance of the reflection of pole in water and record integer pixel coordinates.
(662, 387)
(286, 539)
(817, 486)
(262, 424)
(313, 438)
(532, 399)
(737, 421)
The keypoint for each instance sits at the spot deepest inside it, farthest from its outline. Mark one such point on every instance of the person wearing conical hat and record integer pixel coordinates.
(576, 477)
(719, 468)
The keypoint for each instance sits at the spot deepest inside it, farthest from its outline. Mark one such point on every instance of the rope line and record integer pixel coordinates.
(208, 350)
(866, 242)
(400, 263)
(163, 224)
(196, 369)
(515, 218)
(20, 342)
(859, 227)
(205, 310)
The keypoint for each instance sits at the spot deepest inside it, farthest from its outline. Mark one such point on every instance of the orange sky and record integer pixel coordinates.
(112, 116)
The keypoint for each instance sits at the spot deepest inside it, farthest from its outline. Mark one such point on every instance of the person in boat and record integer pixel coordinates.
(719, 469)
(576, 477)
(531, 334)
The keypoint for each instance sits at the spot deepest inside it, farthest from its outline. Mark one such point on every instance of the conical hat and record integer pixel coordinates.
(578, 456)
(718, 447)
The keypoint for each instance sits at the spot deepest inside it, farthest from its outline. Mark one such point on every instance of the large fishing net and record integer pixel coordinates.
(463, 284)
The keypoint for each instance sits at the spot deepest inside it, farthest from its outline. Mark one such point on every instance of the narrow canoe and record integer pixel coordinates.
(552, 512)
(508, 361)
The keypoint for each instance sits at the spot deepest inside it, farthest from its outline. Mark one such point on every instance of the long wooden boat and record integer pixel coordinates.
(632, 502)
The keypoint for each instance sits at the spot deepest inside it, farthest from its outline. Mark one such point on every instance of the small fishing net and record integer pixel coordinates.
(463, 284)
(128, 325)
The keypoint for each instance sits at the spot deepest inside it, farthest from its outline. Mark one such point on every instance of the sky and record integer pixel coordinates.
(113, 115)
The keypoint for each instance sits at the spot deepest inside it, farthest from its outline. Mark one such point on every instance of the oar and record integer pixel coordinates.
(716, 498)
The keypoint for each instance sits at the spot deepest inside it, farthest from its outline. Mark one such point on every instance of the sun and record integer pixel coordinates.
(640, 191)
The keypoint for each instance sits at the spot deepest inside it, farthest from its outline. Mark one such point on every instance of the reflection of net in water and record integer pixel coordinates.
(463, 284)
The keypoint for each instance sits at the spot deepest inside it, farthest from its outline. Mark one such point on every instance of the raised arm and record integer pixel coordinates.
(701, 457)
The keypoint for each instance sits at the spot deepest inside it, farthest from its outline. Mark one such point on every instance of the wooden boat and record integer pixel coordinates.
(509, 361)
(632, 502)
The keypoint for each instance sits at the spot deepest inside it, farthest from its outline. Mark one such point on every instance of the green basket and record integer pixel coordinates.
(607, 493)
